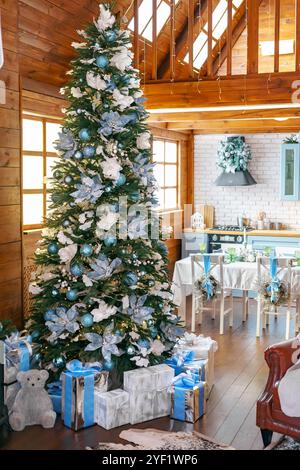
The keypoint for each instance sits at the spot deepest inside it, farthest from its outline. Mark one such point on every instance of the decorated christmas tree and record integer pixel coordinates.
(101, 289)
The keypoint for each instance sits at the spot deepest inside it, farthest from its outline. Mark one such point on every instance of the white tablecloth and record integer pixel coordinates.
(237, 275)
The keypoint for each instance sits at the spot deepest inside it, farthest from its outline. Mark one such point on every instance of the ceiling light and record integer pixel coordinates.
(225, 108)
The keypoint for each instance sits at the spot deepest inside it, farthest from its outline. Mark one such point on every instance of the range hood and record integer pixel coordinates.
(239, 178)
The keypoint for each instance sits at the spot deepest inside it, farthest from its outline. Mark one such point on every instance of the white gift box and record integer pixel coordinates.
(111, 408)
(149, 391)
(203, 348)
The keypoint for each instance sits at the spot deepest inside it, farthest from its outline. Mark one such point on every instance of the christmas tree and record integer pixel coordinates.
(101, 290)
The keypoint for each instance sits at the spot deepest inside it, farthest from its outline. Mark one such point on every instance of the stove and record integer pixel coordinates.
(220, 242)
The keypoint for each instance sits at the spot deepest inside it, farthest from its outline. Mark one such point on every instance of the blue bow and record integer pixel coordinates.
(274, 286)
(182, 385)
(181, 358)
(77, 368)
(207, 284)
(18, 351)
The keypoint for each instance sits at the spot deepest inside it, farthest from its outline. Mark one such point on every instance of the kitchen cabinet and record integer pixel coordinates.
(290, 172)
(191, 242)
(259, 243)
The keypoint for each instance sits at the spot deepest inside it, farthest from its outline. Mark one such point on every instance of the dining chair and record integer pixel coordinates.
(268, 271)
(206, 265)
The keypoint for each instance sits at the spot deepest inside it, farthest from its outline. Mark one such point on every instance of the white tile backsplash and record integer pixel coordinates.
(229, 202)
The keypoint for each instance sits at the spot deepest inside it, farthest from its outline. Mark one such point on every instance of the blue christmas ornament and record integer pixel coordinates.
(121, 180)
(102, 61)
(59, 362)
(68, 179)
(151, 283)
(35, 335)
(77, 270)
(153, 332)
(66, 223)
(111, 36)
(109, 365)
(130, 351)
(108, 189)
(57, 174)
(87, 320)
(110, 241)
(130, 279)
(84, 135)
(54, 292)
(86, 250)
(49, 315)
(134, 196)
(144, 343)
(72, 295)
(161, 305)
(53, 249)
(89, 151)
(37, 357)
(78, 155)
(150, 322)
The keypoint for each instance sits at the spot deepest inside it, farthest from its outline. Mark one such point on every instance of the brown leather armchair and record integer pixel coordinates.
(270, 418)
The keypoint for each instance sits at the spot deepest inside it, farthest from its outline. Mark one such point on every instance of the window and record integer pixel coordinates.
(38, 156)
(166, 171)
(219, 25)
(146, 14)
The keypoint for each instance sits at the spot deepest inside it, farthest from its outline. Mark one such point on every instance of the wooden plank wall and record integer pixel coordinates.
(10, 202)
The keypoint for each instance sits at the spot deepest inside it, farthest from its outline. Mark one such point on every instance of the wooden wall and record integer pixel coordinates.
(10, 202)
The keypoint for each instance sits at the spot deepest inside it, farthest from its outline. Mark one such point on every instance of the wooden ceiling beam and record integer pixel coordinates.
(196, 116)
(232, 126)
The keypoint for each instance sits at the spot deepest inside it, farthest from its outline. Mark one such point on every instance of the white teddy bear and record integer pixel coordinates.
(33, 404)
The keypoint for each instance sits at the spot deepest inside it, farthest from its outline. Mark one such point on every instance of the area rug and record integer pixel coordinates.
(285, 443)
(153, 439)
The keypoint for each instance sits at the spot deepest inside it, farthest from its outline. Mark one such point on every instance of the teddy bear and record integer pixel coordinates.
(33, 404)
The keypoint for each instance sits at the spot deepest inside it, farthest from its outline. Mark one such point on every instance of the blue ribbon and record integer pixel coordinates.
(77, 369)
(207, 284)
(21, 346)
(198, 368)
(183, 385)
(274, 286)
(179, 360)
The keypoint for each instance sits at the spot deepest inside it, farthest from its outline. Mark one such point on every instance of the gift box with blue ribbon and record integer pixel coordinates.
(180, 360)
(188, 398)
(78, 386)
(55, 393)
(200, 368)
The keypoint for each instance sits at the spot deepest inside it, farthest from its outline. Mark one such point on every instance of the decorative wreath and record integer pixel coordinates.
(206, 287)
(275, 292)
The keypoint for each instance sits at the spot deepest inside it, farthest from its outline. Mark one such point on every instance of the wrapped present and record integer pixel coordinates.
(199, 368)
(188, 398)
(112, 409)
(149, 391)
(55, 393)
(203, 348)
(179, 360)
(78, 387)
(17, 353)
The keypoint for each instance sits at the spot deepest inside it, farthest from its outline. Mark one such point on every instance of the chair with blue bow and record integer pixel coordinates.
(203, 267)
(271, 273)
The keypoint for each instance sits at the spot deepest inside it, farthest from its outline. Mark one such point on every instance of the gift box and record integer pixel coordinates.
(188, 399)
(78, 388)
(199, 368)
(180, 360)
(112, 409)
(17, 352)
(149, 391)
(203, 348)
(55, 393)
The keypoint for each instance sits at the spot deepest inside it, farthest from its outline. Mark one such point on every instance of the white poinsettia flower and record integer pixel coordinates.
(135, 336)
(122, 59)
(76, 92)
(143, 141)
(122, 101)
(87, 281)
(103, 311)
(87, 61)
(79, 45)
(95, 81)
(67, 254)
(107, 221)
(34, 289)
(140, 361)
(134, 83)
(157, 348)
(106, 19)
(63, 239)
(111, 168)
(86, 226)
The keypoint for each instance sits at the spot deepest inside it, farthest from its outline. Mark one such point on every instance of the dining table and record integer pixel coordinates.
(237, 276)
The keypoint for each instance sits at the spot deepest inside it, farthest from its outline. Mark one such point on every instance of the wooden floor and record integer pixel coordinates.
(241, 375)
